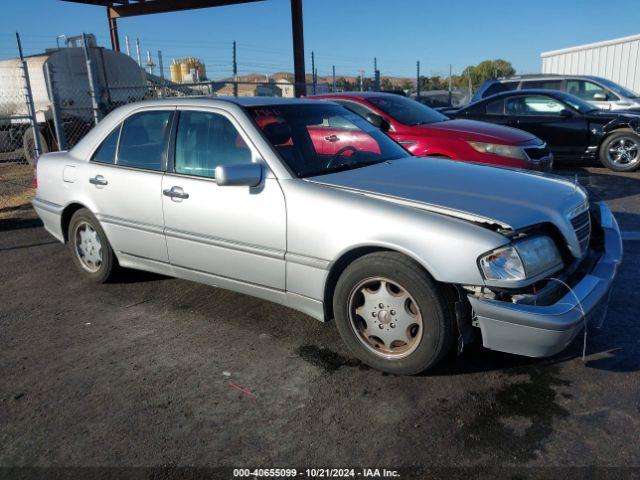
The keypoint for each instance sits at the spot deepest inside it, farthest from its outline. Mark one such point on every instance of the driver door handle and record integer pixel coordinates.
(332, 138)
(175, 192)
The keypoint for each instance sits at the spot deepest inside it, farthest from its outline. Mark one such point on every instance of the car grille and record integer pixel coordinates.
(582, 226)
(537, 153)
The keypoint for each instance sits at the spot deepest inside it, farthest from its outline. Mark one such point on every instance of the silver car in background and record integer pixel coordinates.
(306, 204)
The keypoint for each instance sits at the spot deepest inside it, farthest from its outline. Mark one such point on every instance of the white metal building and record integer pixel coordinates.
(617, 59)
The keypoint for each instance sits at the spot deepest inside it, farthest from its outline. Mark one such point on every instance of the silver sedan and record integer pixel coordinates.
(306, 204)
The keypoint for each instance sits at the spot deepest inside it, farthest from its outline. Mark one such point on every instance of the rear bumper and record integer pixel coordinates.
(51, 216)
(539, 331)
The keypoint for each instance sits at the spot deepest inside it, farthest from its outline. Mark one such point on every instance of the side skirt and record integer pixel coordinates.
(309, 306)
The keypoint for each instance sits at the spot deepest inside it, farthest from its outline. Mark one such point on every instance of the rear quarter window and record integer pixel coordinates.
(106, 152)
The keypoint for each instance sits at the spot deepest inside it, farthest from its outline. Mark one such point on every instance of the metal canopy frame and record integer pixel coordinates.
(131, 8)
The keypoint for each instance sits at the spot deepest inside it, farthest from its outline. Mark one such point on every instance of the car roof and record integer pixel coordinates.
(242, 101)
(541, 76)
(509, 93)
(527, 91)
(363, 95)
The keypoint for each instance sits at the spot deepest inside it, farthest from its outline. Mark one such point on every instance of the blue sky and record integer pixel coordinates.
(345, 33)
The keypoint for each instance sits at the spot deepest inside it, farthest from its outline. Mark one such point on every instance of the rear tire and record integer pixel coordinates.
(91, 252)
(391, 314)
(620, 151)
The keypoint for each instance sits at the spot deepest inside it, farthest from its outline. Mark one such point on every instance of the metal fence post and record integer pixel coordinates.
(92, 83)
(29, 101)
(55, 107)
(234, 67)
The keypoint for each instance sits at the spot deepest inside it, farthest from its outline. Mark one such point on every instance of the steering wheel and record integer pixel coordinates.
(337, 156)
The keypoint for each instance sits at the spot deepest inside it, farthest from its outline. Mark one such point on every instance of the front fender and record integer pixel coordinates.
(622, 122)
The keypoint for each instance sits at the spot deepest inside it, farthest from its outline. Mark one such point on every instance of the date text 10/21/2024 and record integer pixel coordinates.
(315, 473)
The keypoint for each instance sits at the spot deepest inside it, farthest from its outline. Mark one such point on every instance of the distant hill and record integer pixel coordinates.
(396, 82)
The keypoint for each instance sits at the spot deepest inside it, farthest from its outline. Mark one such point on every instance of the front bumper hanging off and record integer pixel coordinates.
(539, 331)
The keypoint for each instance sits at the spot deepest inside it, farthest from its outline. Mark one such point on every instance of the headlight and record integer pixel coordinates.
(522, 260)
(501, 150)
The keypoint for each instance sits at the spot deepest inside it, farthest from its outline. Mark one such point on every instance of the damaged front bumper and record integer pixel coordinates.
(539, 331)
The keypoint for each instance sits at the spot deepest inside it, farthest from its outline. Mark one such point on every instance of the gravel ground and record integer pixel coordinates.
(152, 371)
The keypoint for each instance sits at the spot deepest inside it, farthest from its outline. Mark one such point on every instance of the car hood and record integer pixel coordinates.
(484, 131)
(509, 198)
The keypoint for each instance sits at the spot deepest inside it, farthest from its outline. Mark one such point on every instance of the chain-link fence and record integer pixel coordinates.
(14, 116)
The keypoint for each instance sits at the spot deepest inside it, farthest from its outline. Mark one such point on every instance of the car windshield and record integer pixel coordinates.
(321, 139)
(407, 111)
(618, 88)
(577, 103)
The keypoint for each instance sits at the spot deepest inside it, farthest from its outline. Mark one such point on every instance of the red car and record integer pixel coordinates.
(426, 132)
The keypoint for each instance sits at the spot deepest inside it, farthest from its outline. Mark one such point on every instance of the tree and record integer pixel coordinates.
(485, 70)
(406, 85)
(386, 84)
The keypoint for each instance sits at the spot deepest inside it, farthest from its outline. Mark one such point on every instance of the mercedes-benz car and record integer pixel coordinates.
(407, 254)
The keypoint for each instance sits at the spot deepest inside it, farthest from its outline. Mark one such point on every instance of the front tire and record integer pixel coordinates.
(620, 151)
(91, 252)
(391, 314)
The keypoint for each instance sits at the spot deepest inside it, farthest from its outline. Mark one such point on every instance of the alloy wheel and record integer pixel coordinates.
(88, 247)
(385, 318)
(623, 152)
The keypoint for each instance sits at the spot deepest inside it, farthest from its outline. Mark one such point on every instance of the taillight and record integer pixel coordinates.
(35, 175)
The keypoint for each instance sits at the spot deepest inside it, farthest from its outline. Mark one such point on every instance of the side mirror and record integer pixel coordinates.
(566, 113)
(378, 121)
(241, 174)
(600, 96)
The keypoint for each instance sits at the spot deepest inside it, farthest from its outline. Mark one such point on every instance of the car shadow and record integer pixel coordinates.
(17, 223)
(128, 275)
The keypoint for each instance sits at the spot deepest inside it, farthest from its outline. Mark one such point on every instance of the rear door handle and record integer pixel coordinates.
(98, 180)
(175, 192)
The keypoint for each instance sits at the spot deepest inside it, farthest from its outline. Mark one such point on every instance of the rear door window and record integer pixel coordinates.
(106, 152)
(142, 140)
(355, 108)
(542, 84)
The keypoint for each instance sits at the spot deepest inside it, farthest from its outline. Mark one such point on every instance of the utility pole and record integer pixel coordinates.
(313, 72)
(160, 66)
(138, 52)
(449, 84)
(126, 44)
(469, 80)
(376, 74)
(235, 71)
(418, 78)
(361, 80)
(333, 74)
